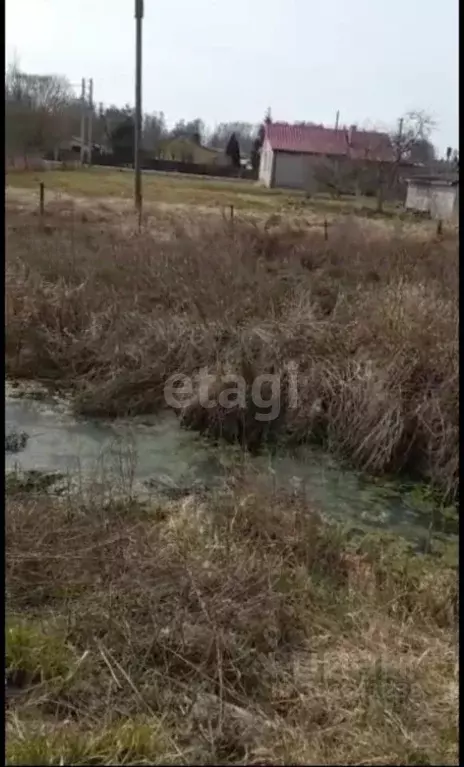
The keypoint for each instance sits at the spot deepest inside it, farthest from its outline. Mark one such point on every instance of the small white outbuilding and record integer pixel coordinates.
(439, 197)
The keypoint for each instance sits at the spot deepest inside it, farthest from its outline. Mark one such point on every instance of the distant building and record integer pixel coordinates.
(71, 150)
(434, 195)
(291, 154)
(185, 149)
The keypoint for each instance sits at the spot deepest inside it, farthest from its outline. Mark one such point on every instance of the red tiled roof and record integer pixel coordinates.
(315, 139)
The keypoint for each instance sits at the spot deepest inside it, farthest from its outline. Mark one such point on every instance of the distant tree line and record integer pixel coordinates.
(42, 112)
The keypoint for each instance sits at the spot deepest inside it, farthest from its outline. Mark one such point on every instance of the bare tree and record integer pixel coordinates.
(191, 128)
(406, 143)
(39, 112)
(414, 129)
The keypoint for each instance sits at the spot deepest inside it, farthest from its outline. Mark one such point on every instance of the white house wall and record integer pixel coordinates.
(266, 164)
(418, 198)
(291, 170)
(440, 202)
(295, 170)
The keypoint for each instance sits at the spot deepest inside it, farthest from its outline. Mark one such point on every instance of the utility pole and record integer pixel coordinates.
(83, 110)
(400, 148)
(138, 107)
(90, 112)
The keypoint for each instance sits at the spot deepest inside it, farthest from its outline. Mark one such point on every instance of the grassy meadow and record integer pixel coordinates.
(157, 187)
(236, 627)
(180, 189)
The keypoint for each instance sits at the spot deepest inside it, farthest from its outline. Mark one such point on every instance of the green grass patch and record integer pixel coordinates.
(128, 742)
(190, 190)
(36, 651)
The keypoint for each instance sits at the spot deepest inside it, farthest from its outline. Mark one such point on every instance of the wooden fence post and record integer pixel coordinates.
(42, 199)
(326, 229)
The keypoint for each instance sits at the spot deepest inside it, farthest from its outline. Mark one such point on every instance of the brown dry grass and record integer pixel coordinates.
(157, 187)
(371, 321)
(240, 630)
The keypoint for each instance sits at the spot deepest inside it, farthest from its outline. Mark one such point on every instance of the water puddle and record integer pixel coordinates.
(346, 495)
(143, 453)
(140, 449)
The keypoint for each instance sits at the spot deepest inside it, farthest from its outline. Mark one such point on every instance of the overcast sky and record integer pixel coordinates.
(227, 60)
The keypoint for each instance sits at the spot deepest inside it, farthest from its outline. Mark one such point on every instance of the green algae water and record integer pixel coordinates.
(141, 453)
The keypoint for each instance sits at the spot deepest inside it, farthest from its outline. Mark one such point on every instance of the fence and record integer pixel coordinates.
(176, 166)
(125, 159)
(25, 162)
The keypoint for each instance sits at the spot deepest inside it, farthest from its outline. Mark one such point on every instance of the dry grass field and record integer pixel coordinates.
(238, 628)
(369, 317)
(177, 189)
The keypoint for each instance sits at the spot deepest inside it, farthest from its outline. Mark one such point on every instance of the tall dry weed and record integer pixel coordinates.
(371, 321)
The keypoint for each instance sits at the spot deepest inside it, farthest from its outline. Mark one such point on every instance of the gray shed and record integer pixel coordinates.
(435, 195)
